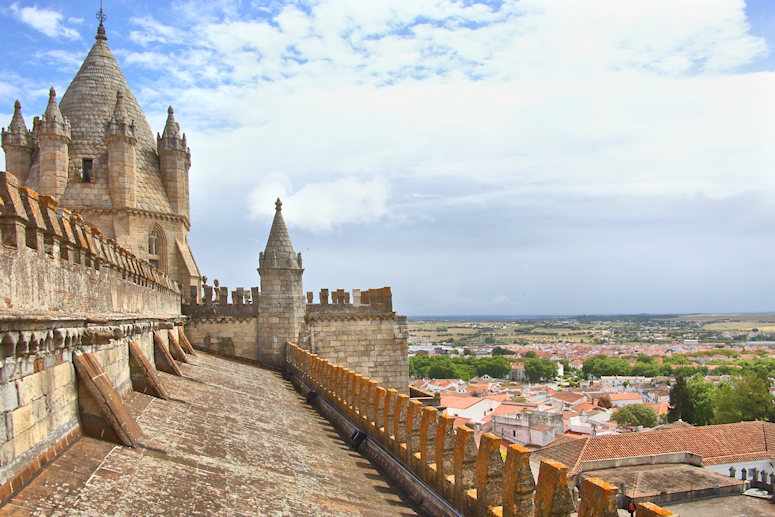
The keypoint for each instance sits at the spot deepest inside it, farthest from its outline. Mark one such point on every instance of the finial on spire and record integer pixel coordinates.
(17, 105)
(170, 111)
(278, 205)
(101, 17)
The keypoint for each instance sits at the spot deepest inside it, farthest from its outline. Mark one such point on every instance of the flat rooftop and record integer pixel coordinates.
(240, 441)
(649, 481)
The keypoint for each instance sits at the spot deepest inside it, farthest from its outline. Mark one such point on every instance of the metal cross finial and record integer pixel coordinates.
(101, 14)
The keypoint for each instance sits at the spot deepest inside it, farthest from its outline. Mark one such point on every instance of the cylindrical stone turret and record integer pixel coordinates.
(283, 304)
(174, 163)
(122, 167)
(18, 144)
(53, 134)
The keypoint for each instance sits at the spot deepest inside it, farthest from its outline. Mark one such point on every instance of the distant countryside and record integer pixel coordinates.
(701, 369)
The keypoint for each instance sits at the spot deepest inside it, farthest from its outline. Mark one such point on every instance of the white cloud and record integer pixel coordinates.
(47, 21)
(152, 31)
(322, 206)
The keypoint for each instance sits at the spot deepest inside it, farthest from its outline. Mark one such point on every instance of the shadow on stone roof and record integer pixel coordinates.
(240, 441)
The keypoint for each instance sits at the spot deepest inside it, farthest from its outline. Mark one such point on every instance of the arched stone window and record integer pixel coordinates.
(157, 248)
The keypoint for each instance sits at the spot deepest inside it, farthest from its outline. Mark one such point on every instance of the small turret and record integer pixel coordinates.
(52, 131)
(122, 144)
(283, 304)
(174, 163)
(279, 253)
(18, 144)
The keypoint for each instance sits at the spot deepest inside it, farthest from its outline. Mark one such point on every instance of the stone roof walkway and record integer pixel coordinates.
(242, 442)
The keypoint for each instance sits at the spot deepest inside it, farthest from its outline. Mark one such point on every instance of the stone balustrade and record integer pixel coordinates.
(473, 480)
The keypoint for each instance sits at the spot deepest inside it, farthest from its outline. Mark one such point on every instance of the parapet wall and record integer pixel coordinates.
(472, 480)
(364, 334)
(45, 404)
(51, 262)
(224, 328)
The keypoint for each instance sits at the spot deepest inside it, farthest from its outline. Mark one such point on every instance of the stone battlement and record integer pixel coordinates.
(474, 480)
(215, 302)
(370, 301)
(56, 262)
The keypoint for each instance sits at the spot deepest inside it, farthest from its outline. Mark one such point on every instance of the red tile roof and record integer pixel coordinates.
(624, 396)
(570, 397)
(716, 444)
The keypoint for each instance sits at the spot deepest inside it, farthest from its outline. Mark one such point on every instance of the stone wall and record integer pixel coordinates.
(54, 263)
(368, 338)
(362, 333)
(41, 399)
(471, 479)
(223, 328)
(67, 293)
(227, 336)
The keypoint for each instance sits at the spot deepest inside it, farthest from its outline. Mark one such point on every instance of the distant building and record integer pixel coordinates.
(529, 428)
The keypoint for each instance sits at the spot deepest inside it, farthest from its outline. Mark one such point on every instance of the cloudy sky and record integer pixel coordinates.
(493, 157)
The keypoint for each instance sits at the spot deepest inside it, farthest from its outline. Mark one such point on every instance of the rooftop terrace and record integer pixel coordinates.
(240, 441)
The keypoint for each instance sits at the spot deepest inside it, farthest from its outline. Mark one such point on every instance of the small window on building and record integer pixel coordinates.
(153, 249)
(86, 170)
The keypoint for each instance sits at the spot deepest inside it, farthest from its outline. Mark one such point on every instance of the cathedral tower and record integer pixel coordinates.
(282, 305)
(96, 153)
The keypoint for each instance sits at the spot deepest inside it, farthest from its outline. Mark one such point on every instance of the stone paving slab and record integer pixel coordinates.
(238, 441)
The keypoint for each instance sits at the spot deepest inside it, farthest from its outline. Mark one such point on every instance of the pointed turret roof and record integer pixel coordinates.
(279, 251)
(98, 94)
(17, 122)
(17, 133)
(171, 128)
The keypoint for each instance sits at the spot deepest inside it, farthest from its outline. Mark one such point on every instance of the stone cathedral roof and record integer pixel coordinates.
(279, 251)
(89, 104)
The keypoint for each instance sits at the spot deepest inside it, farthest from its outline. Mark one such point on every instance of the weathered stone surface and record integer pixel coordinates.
(244, 443)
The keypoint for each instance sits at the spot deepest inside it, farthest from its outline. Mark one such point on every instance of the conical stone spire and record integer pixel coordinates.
(53, 123)
(171, 128)
(18, 144)
(279, 252)
(17, 133)
(17, 122)
(120, 123)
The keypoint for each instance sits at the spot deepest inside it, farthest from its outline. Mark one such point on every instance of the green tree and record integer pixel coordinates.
(703, 399)
(441, 371)
(530, 354)
(538, 369)
(634, 415)
(680, 402)
(497, 367)
(499, 350)
(746, 398)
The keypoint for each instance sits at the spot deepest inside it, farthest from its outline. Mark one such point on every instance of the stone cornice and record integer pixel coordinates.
(110, 210)
(350, 316)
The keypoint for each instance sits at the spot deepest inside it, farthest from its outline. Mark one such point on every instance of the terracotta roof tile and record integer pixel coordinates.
(715, 444)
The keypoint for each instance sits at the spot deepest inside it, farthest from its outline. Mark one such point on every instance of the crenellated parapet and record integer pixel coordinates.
(215, 302)
(467, 479)
(36, 230)
(368, 303)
